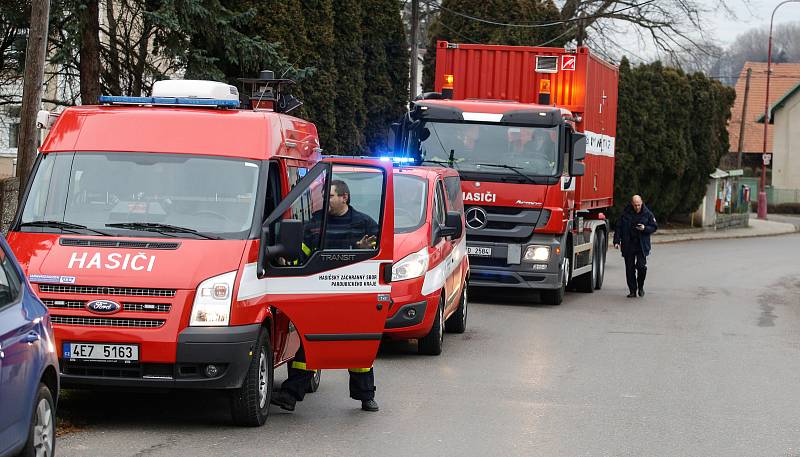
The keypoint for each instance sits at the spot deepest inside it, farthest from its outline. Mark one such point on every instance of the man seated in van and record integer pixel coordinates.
(347, 227)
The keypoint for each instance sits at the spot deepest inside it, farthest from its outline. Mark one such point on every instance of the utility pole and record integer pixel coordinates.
(581, 31)
(414, 47)
(32, 91)
(744, 115)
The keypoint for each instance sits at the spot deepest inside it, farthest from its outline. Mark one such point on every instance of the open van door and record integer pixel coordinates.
(330, 273)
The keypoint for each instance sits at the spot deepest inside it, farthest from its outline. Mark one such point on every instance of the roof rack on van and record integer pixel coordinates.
(168, 101)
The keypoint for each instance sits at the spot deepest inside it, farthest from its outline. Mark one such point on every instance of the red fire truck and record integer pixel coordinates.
(531, 131)
(180, 242)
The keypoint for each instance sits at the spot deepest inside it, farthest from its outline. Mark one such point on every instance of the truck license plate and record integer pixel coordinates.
(92, 351)
(479, 251)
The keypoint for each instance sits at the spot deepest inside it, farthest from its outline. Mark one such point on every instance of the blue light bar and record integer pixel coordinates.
(168, 101)
(398, 160)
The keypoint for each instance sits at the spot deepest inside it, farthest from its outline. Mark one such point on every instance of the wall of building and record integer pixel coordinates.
(786, 166)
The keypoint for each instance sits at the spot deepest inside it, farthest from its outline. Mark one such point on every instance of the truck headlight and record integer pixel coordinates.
(212, 302)
(536, 253)
(411, 266)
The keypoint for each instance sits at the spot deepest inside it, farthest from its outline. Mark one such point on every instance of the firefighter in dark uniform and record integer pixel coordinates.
(347, 228)
(633, 236)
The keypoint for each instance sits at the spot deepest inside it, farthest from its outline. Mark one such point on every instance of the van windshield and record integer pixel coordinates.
(142, 194)
(410, 197)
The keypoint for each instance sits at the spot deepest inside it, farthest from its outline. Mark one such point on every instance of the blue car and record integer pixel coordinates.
(28, 366)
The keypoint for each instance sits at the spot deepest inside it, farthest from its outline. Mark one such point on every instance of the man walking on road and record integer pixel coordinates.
(633, 236)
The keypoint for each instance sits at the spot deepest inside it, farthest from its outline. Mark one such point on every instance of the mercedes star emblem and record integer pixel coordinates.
(476, 218)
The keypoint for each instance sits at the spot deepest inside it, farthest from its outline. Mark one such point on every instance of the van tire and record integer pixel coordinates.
(250, 402)
(314, 386)
(457, 322)
(42, 432)
(431, 344)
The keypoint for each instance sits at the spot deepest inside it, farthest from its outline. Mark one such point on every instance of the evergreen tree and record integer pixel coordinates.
(386, 70)
(459, 29)
(320, 89)
(671, 132)
(349, 59)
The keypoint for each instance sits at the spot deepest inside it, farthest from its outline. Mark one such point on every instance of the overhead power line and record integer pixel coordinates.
(532, 24)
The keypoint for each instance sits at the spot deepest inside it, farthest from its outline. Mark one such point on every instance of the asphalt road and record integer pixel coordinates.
(706, 364)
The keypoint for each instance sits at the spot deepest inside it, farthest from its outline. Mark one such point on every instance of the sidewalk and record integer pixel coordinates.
(757, 228)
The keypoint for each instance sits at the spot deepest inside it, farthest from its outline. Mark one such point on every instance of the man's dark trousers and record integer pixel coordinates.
(362, 381)
(635, 270)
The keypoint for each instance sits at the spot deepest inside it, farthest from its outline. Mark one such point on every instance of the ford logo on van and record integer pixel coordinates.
(103, 306)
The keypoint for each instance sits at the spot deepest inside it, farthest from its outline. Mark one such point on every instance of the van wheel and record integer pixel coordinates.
(601, 261)
(315, 382)
(457, 323)
(314, 386)
(250, 402)
(431, 344)
(42, 433)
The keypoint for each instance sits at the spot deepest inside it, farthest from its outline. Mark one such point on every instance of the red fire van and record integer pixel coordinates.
(180, 242)
(431, 270)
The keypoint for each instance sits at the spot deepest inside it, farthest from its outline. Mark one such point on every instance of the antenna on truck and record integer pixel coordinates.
(268, 92)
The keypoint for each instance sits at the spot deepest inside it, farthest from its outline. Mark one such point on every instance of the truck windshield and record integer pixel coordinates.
(141, 194)
(532, 151)
(410, 197)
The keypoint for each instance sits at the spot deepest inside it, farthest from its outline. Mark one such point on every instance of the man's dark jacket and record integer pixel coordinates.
(633, 240)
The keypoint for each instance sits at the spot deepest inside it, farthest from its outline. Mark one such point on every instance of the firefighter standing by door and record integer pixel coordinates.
(347, 228)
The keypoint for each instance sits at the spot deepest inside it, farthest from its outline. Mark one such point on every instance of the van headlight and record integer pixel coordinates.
(212, 302)
(411, 266)
(534, 253)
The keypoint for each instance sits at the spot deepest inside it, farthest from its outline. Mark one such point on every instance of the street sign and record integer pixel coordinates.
(766, 158)
(568, 63)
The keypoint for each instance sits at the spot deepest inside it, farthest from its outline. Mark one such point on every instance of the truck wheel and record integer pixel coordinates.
(601, 261)
(556, 296)
(587, 282)
(431, 344)
(42, 432)
(457, 323)
(250, 402)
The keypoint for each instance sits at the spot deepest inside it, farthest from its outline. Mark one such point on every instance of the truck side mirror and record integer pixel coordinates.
(453, 225)
(392, 136)
(577, 154)
(288, 245)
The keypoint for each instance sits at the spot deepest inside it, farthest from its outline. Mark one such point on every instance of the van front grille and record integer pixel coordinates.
(107, 322)
(139, 307)
(105, 290)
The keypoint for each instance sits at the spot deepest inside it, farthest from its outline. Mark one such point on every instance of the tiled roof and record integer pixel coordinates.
(785, 76)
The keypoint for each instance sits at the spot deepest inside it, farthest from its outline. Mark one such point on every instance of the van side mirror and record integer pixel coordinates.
(288, 245)
(453, 225)
(577, 154)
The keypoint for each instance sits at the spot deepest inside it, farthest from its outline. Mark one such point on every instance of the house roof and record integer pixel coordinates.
(779, 104)
(785, 76)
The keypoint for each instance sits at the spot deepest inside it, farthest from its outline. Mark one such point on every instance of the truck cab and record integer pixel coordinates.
(180, 242)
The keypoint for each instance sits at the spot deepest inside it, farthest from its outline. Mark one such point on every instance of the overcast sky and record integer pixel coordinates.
(724, 29)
